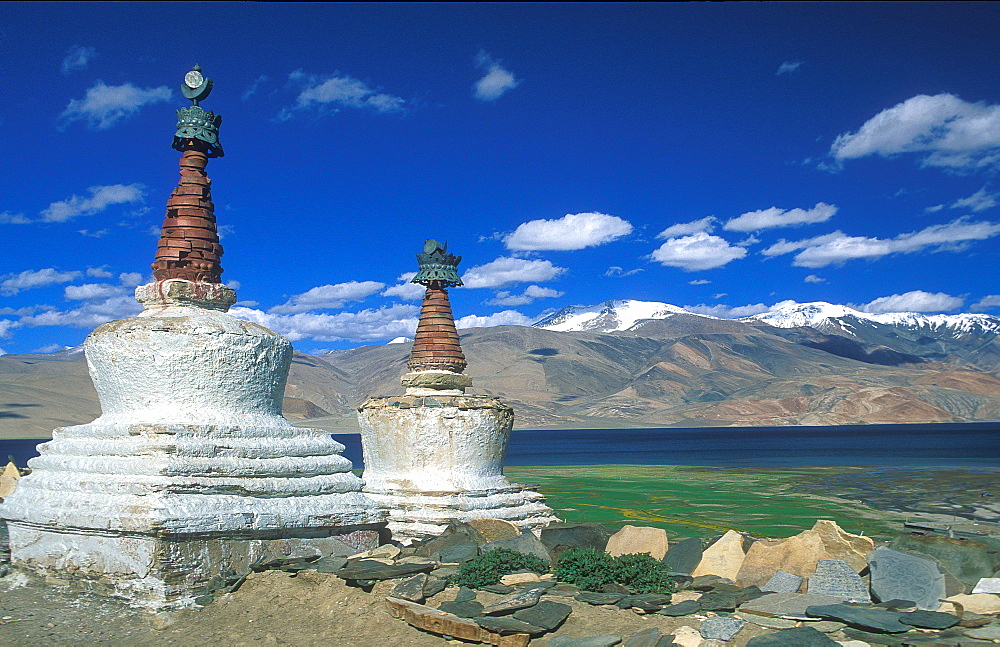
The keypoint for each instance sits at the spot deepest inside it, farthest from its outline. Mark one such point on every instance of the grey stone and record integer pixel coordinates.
(987, 585)
(770, 623)
(786, 605)
(989, 632)
(464, 609)
(720, 628)
(866, 618)
(559, 536)
(443, 572)
(367, 569)
(456, 533)
(547, 615)
(499, 589)
(592, 641)
(929, 619)
(512, 603)
(896, 575)
(459, 552)
(966, 559)
(782, 582)
(465, 594)
(648, 602)
(684, 556)
(646, 638)
(505, 626)
(720, 601)
(797, 637)
(411, 589)
(835, 577)
(330, 564)
(433, 586)
(685, 608)
(599, 598)
(826, 626)
(706, 582)
(525, 543)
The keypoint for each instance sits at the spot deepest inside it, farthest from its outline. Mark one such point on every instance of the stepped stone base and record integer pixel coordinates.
(416, 514)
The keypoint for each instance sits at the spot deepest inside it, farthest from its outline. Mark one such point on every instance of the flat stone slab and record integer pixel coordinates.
(786, 605)
(411, 589)
(989, 632)
(720, 628)
(929, 619)
(513, 603)
(766, 621)
(546, 614)
(649, 602)
(797, 637)
(720, 601)
(897, 575)
(646, 638)
(446, 624)
(987, 585)
(505, 626)
(684, 556)
(598, 599)
(685, 608)
(465, 609)
(866, 618)
(592, 641)
(783, 582)
(367, 569)
(836, 578)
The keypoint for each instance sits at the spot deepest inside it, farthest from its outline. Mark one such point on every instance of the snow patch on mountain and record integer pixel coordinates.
(608, 316)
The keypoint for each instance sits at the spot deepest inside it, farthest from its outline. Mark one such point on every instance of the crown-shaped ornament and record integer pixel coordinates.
(194, 123)
(437, 266)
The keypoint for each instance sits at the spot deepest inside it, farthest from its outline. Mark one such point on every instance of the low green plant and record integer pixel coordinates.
(489, 567)
(591, 570)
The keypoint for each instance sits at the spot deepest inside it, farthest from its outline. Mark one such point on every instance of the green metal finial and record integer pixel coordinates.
(437, 265)
(195, 127)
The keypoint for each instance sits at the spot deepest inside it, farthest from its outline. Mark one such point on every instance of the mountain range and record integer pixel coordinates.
(631, 363)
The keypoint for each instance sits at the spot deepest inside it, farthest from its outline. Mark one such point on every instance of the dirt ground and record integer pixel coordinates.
(271, 608)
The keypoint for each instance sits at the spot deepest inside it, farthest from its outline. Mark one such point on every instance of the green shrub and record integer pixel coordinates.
(591, 570)
(489, 567)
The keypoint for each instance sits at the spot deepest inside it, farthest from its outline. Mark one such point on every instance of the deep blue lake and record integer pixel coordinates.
(964, 445)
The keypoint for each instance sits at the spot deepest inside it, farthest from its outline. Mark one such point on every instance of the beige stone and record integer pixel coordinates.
(843, 545)
(11, 471)
(985, 604)
(495, 529)
(385, 552)
(7, 486)
(723, 558)
(519, 578)
(687, 637)
(684, 596)
(638, 539)
(797, 555)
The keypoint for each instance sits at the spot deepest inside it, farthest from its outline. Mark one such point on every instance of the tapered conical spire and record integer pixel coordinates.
(436, 345)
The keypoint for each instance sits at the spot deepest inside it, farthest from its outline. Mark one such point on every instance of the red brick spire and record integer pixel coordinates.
(189, 244)
(436, 345)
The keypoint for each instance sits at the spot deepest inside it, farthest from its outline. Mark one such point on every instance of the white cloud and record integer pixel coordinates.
(978, 201)
(987, 302)
(699, 282)
(572, 231)
(943, 130)
(503, 318)
(101, 197)
(106, 105)
(725, 312)
(252, 90)
(131, 279)
(913, 301)
(687, 228)
(7, 218)
(788, 67)
(497, 80)
(700, 251)
(775, 217)
(99, 272)
(506, 270)
(398, 320)
(328, 296)
(812, 278)
(405, 290)
(838, 247)
(342, 91)
(89, 315)
(615, 270)
(934, 209)
(5, 326)
(89, 291)
(529, 295)
(28, 279)
(78, 58)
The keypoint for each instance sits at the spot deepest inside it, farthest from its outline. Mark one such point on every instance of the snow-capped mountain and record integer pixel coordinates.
(621, 315)
(608, 316)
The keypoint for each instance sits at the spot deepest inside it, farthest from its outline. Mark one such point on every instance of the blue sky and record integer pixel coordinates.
(722, 157)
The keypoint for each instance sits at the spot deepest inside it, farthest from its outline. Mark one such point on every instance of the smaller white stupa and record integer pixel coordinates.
(190, 475)
(436, 454)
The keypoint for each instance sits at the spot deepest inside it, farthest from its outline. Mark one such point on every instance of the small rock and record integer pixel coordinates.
(990, 632)
(786, 605)
(632, 540)
(506, 626)
(985, 604)
(519, 578)
(929, 619)
(464, 609)
(684, 556)
(162, 620)
(646, 638)
(459, 553)
(826, 626)
(512, 603)
(648, 602)
(782, 582)
(411, 589)
(433, 586)
(499, 589)
(465, 594)
(204, 600)
(366, 569)
(719, 601)
(770, 623)
(330, 564)
(598, 599)
(547, 615)
(592, 641)
(868, 619)
(797, 637)
(719, 628)
(973, 621)
(491, 530)
(685, 636)
(987, 585)
(686, 608)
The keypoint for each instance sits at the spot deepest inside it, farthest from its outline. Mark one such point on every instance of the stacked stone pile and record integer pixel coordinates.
(823, 586)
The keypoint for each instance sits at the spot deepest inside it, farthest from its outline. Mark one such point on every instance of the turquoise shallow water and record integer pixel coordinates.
(966, 445)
